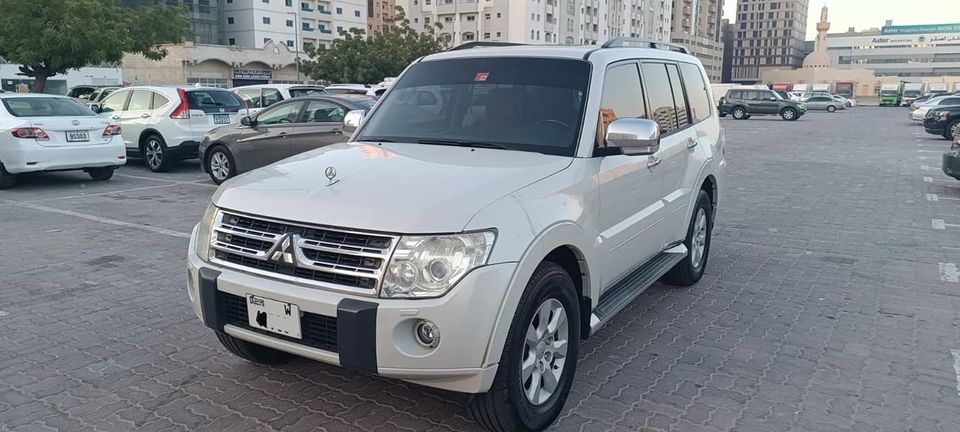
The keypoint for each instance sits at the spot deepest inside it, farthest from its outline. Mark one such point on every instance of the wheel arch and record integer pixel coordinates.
(147, 132)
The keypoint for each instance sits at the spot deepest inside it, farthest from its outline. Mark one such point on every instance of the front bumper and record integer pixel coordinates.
(932, 126)
(370, 334)
(28, 156)
(951, 163)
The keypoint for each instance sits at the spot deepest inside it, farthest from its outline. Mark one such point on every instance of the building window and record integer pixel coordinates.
(289, 23)
(231, 41)
(486, 16)
(229, 20)
(229, 1)
(289, 43)
(468, 36)
(339, 11)
(416, 20)
(266, 20)
(339, 29)
(266, 40)
(531, 34)
(356, 13)
(498, 33)
(498, 14)
(289, 3)
(486, 35)
(265, 1)
(426, 20)
(471, 17)
(447, 19)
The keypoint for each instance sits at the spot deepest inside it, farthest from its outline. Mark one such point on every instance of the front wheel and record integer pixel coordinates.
(220, 165)
(831, 108)
(952, 129)
(739, 113)
(539, 357)
(788, 114)
(102, 173)
(690, 270)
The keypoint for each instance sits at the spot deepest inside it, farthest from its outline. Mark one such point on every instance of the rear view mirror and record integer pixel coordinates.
(95, 108)
(425, 98)
(246, 121)
(634, 136)
(353, 120)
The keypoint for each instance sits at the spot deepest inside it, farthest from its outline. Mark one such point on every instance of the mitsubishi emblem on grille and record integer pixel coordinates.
(282, 251)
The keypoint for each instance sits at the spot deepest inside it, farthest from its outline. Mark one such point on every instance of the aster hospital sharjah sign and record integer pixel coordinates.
(920, 29)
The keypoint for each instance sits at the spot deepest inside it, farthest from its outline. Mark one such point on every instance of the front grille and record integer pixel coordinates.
(327, 257)
(317, 331)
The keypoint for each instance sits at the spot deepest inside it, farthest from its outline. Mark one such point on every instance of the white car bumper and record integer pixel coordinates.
(22, 155)
(371, 334)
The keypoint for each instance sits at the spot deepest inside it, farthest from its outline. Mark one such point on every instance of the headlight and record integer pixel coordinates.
(942, 115)
(204, 231)
(428, 266)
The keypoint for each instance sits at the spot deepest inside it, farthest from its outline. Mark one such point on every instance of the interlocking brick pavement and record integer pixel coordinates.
(822, 309)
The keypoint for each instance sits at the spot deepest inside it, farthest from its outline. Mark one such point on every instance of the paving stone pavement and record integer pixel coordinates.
(826, 306)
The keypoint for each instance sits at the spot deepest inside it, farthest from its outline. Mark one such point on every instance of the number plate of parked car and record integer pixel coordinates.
(274, 316)
(77, 136)
(221, 119)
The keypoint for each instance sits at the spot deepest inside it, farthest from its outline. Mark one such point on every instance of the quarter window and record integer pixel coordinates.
(696, 91)
(159, 101)
(661, 96)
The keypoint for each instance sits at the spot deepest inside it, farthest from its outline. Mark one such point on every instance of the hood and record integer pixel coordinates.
(393, 187)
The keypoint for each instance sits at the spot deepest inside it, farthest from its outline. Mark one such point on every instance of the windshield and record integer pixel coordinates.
(214, 101)
(46, 107)
(888, 93)
(911, 93)
(306, 91)
(528, 104)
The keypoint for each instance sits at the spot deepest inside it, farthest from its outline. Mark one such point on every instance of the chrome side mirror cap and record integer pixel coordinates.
(634, 136)
(353, 120)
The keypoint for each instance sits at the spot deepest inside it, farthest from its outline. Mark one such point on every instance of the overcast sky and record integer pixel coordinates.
(864, 14)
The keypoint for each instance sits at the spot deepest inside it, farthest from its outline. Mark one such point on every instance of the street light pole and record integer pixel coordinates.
(299, 42)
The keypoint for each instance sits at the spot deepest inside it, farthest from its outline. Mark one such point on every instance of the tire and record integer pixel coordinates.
(831, 108)
(788, 114)
(952, 129)
(739, 113)
(7, 180)
(220, 164)
(154, 153)
(690, 270)
(507, 405)
(101, 173)
(253, 352)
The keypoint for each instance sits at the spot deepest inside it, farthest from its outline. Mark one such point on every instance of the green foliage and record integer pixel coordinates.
(50, 37)
(353, 58)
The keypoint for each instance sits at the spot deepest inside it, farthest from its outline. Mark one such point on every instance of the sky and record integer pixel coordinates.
(864, 14)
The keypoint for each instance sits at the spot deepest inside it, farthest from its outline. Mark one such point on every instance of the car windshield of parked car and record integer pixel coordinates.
(306, 91)
(45, 107)
(214, 101)
(527, 104)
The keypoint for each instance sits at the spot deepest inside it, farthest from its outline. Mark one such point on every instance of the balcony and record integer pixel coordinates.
(326, 31)
(306, 8)
(324, 11)
(307, 28)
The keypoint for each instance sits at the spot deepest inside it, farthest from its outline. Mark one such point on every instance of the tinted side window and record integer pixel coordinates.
(140, 100)
(323, 112)
(735, 94)
(251, 97)
(271, 96)
(281, 114)
(696, 92)
(115, 102)
(679, 99)
(950, 101)
(661, 96)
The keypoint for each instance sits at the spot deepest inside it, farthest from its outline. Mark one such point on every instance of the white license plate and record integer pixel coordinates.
(221, 119)
(274, 316)
(75, 136)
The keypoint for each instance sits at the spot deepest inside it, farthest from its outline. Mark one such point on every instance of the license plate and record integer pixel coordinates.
(274, 316)
(75, 136)
(221, 119)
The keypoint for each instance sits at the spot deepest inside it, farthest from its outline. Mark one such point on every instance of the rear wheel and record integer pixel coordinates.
(690, 270)
(102, 173)
(220, 164)
(7, 180)
(154, 153)
(251, 351)
(831, 108)
(539, 358)
(788, 114)
(739, 113)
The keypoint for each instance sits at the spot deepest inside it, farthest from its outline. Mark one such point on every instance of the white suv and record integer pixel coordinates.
(471, 241)
(165, 124)
(260, 96)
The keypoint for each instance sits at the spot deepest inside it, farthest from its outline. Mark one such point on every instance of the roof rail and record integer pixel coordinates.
(644, 43)
(470, 45)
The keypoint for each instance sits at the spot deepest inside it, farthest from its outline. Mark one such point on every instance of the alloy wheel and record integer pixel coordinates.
(699, 241)
(154, 154)
(545, 352)
(219, 165)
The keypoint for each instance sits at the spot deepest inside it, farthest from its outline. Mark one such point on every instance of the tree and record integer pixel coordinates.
(355, 58)
(53, 36)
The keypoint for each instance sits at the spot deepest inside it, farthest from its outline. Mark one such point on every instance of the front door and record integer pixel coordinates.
(766, 102)
(321, 125)
(270, 141)
(136, 117)
(629, 186)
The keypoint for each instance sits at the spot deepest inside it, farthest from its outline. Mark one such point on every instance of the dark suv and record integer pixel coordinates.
(743, 103)
(943, 120)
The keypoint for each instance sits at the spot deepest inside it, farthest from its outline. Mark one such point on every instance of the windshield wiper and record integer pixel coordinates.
(462, 143)
(376, 139)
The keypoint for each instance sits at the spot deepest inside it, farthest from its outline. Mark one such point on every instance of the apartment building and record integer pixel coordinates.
(541, 21)
(696, 24)
(770, 34)
(379, 13)
(295, 23)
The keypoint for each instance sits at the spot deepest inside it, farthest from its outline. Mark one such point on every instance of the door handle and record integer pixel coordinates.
(691, 143)
(653, 160)
(336, 131)
(116, 117)
(144, 115)
(282, 134)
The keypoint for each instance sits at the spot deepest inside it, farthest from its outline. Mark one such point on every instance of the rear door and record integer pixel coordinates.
(135, 118)
(112, 108)
(321, 124)
(271, 140)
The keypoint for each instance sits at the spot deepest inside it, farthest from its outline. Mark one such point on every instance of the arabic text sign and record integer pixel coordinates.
(918, 29)
(930, 39)
(252, 74)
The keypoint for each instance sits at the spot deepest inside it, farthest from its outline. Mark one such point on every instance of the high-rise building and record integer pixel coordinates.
(696, 24)
(379, 12)
(204, 16)
(541, 21)
(728, 34)
(255, 23)
(770, 34)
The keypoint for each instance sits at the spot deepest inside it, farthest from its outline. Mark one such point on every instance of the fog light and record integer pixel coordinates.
(427, 333)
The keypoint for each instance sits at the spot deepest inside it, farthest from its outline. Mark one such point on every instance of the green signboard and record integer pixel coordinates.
(920, 29)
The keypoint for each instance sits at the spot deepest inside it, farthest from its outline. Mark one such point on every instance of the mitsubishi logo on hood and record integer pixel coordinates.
(283, 250)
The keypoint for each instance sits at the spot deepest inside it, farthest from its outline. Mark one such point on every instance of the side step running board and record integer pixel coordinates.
(628, 289)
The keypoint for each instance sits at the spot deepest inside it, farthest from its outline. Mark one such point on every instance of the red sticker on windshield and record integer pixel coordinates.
(481, 76)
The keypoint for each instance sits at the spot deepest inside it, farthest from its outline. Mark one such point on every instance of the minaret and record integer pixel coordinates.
(819, 57)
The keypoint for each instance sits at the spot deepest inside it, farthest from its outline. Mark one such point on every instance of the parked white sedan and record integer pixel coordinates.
(40, 132)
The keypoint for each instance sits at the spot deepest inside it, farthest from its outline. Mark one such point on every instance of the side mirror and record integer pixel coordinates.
(246, 121)
(353, 120)
(634, 136)
(95, 108)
